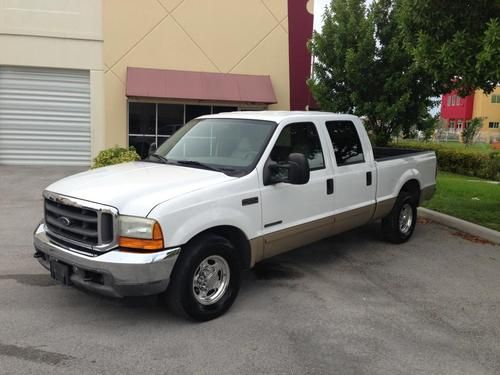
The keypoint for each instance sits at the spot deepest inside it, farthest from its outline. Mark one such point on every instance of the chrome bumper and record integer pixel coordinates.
(114, 273)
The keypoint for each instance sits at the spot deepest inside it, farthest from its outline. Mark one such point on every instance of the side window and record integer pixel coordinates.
(346, 142)
(302, 138)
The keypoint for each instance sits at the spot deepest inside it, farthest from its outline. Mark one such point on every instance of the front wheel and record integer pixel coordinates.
(398, 226)
(206, 278)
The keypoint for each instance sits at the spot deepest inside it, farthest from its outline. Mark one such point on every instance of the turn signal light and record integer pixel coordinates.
(154, 244)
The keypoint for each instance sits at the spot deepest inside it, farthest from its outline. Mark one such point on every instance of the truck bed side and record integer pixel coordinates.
(395, 167)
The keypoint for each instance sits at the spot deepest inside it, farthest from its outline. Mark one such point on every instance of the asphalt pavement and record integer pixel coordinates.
(351, 304)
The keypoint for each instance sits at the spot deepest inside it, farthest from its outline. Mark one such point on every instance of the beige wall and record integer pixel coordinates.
(490, 112)
(228, 36)
(57, 34)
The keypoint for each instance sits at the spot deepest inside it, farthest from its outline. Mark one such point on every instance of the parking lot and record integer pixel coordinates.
(351, 304)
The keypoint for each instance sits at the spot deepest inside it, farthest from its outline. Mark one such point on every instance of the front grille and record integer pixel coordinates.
(83, 225)
(79, 224)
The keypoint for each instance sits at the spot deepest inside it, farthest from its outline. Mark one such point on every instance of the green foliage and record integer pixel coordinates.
(361, 68)
(457, 42)
(470, 133)
(115, 155)
(463, 161)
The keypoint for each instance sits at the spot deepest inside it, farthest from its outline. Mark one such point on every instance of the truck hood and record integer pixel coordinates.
(135, 188)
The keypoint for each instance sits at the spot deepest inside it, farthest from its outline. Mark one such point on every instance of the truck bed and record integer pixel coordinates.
(386, 153)
(395, 163)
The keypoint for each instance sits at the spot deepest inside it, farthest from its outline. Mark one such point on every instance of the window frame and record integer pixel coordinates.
(316, 128)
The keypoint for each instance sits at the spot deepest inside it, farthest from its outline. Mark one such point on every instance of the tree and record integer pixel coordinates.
(471, 131)
(361, 68)
(440, 129)
(456, 41)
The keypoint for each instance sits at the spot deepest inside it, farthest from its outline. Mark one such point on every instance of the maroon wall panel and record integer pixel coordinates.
(300, 26)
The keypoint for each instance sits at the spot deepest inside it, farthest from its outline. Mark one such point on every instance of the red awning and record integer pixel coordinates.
(184, 85)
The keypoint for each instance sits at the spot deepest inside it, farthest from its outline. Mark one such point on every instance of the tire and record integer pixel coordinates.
(205, 280)
(398, 226)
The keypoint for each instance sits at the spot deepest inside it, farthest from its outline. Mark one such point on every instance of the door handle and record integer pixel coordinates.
(368, 178)
(329, 186)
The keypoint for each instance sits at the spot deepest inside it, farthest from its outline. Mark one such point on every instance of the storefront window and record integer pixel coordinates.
(170, 119)
(155, 122)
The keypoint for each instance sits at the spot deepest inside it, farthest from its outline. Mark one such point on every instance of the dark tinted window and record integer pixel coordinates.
(142, 118)
(141, 144)
(220, 108)
(302, 138)
(193, 111)
(346, 142)
(170, 118)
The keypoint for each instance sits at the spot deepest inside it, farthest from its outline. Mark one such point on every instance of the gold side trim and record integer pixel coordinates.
(300, 235)
(427, 193)
(383, 208)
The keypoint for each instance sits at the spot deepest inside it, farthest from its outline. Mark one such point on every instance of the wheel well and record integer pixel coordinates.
(413, 188)
(236, 237)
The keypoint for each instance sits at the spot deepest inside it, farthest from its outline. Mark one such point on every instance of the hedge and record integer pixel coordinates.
(461, 161)
(115, 155)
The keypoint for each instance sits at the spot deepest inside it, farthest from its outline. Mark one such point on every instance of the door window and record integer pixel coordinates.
(299, 138)
(346, 143)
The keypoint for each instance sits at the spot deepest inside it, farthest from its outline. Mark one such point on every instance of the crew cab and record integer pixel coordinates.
(223, 193)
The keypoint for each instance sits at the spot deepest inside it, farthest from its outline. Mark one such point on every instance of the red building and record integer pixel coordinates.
(456, 111)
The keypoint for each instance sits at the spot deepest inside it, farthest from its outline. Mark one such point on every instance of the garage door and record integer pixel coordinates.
(44, 116)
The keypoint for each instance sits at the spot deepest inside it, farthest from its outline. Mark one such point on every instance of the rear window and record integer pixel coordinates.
(346, 143)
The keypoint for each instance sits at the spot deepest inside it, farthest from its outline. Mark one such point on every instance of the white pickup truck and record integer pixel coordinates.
(223, 193)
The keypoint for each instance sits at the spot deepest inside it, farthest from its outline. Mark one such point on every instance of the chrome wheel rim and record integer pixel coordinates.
(211, 280)
(405, 218)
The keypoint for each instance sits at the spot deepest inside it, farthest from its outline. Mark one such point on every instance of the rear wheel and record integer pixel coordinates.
(398, 226)
(206, 278)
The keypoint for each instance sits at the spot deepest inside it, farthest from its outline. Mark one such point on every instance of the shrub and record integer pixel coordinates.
(471, 132)
(115, 155)
(461, 161)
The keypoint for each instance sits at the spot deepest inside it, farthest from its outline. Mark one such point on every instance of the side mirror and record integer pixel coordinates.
(152, 149)
(297, 171)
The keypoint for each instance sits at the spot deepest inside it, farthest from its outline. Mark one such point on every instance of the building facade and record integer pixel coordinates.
(51, 81)
(487, 107)
(457, 112)
(79, 76)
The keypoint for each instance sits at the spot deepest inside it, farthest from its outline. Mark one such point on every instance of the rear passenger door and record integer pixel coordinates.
(294, 215)
(353, 175)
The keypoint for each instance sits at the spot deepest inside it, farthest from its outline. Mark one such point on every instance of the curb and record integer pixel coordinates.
(461, 225)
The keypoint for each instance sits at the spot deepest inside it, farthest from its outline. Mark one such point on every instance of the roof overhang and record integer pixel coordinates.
(199, 86)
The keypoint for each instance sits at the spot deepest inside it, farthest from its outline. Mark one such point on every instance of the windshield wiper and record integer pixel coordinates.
(198, 164)
(163, 159)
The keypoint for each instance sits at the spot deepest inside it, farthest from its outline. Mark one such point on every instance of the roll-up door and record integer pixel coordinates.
(44, 116)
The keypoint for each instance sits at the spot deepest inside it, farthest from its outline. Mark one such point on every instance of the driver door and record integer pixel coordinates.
(294, 215)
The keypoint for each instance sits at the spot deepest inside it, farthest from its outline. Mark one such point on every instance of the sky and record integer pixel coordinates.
(319, 6)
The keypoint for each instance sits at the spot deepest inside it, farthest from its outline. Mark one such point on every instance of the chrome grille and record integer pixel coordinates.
(80, 223)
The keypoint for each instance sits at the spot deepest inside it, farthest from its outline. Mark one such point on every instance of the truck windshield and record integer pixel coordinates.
(228, 145)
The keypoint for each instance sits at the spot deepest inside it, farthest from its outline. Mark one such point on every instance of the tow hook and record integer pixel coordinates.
(38, 254)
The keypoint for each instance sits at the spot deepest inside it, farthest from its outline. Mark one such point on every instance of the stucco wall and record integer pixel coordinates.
(490, 112)
(228, 36)
(57, 34)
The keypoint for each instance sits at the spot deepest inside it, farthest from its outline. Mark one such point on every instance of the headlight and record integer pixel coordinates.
(140, 233)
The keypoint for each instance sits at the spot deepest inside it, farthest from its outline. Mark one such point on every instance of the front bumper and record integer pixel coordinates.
(114, 273)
